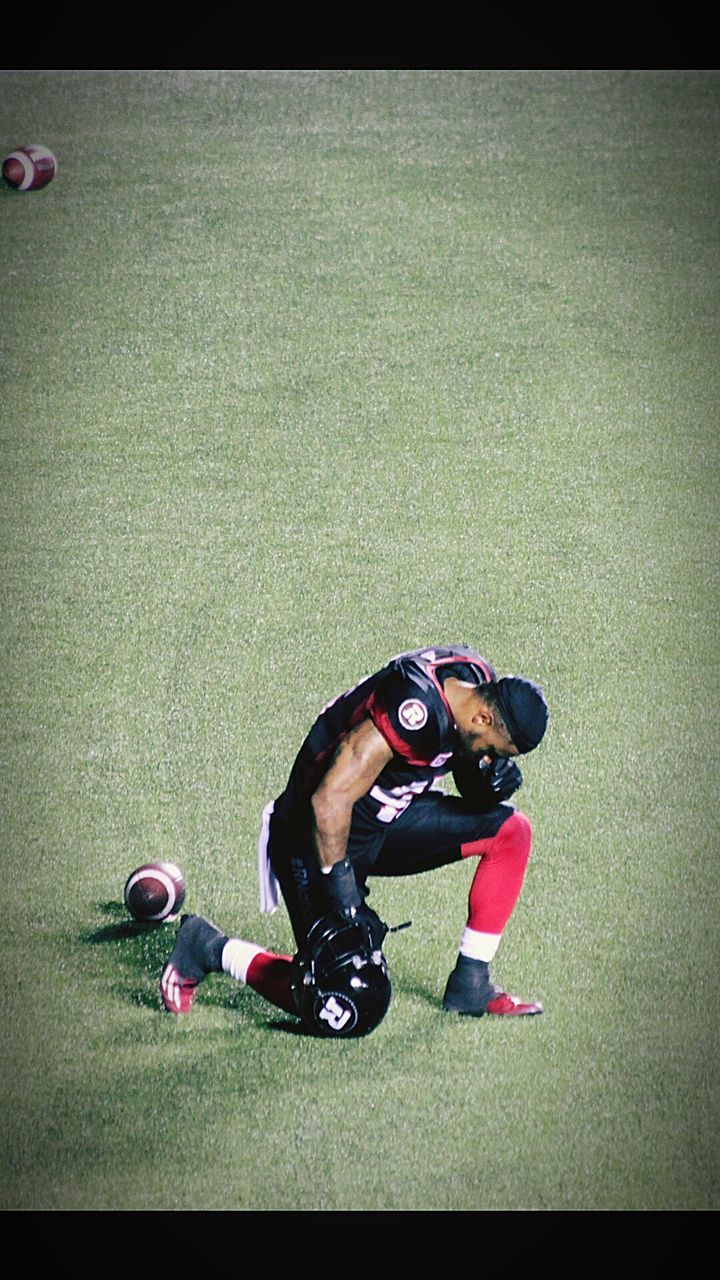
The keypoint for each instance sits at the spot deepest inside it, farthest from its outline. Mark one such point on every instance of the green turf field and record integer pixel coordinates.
(300, 370)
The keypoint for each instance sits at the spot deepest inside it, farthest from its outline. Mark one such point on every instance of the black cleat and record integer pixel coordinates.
(469, 991)
(197, 952)
(468, 988)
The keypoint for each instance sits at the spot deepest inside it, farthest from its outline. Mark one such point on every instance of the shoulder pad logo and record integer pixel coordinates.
(413, 714)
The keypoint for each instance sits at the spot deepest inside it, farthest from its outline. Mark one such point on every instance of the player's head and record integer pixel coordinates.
(519, 712)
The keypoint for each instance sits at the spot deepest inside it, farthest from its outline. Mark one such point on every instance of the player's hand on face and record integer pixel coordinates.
(503, 777)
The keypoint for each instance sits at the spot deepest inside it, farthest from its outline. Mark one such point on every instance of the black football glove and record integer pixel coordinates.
(505, 778)
(372, 926)
(342, 889)
(484, 785)
(347, 898)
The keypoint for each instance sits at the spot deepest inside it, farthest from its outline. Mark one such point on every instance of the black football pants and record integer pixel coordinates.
(429, 834)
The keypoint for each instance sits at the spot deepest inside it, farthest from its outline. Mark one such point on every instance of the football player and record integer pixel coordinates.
(360, 802)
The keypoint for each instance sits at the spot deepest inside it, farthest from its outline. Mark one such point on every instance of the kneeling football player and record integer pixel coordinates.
(360, 802)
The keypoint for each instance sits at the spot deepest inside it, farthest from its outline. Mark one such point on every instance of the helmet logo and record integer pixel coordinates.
(340, 982)
(337, 1011)
(413, 714)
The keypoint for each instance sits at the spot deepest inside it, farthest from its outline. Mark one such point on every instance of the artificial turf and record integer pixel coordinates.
(302, 369)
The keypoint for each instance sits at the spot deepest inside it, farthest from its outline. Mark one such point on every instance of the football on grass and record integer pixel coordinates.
(155, 892)
(28, 168)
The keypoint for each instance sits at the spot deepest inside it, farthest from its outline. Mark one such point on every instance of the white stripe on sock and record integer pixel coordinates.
(237, 957)
(479, 946)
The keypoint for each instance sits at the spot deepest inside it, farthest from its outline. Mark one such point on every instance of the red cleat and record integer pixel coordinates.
(197, 952)
(177, 992)
(510, 1006)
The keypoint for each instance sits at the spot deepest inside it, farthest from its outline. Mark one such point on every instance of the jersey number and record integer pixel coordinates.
(393, 803)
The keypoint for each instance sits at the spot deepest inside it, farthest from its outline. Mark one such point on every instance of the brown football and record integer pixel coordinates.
(28, 168)
(155, 892)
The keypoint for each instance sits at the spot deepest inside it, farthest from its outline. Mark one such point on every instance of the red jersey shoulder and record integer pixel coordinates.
(409, 706)
(410, 711)
(412, 718)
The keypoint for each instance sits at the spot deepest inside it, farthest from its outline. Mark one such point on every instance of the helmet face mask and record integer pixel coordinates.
(341, 986)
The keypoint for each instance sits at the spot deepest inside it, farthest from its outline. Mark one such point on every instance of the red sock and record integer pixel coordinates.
(498, 880)
(269, 975)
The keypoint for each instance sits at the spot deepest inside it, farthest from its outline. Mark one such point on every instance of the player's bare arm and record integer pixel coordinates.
(358, 761)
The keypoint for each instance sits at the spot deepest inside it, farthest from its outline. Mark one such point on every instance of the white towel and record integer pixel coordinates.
(270, 892)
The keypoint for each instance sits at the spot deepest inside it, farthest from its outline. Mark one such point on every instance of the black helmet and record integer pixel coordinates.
(340, 978)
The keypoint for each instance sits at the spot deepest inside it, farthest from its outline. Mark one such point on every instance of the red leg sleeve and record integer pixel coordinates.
(269, 975)
(498, 880)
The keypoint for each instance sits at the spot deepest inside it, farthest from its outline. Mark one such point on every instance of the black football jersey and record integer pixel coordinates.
(407, 704)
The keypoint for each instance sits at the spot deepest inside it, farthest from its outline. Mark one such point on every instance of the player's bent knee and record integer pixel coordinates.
(512, 839)
(518, 829)
(513, 842)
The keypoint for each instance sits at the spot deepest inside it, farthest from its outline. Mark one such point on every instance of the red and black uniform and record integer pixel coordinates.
(401, 826)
